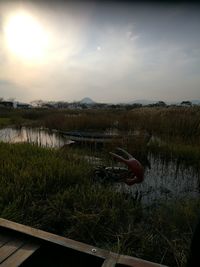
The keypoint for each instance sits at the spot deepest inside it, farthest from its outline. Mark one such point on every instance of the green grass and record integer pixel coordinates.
(53, 190)
(4, 122)
(185, 153)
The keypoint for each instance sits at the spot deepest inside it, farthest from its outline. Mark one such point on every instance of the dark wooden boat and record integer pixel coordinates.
(25, 246)
(89, 137)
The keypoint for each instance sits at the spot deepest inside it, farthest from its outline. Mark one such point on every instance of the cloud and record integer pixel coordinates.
(11, 90)
(108, 57)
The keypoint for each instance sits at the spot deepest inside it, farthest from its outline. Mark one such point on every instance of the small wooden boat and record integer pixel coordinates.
(25, 246)
(89, 137)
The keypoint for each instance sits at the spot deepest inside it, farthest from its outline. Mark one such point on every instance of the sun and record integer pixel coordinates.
(25, 37)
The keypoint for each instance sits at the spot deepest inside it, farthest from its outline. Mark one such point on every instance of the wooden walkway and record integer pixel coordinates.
(24, 246)
(15, 249)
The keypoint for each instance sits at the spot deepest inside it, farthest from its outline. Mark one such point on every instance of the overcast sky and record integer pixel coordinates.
(108, 52)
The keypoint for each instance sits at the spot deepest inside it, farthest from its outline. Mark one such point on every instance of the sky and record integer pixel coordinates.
(108, 51)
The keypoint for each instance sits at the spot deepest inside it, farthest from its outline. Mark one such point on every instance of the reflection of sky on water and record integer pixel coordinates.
(40, 137)
(166, 181)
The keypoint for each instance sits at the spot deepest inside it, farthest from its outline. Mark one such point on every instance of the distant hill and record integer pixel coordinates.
(148, 102)
(195, 102)
(87, 101)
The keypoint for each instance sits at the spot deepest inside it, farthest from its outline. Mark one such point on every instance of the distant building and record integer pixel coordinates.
(23, 105)
(7, 104)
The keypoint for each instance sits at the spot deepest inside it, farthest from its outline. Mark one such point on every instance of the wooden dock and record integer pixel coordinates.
(25, 246)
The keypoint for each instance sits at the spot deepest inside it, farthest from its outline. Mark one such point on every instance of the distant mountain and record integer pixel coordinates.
(148, 102)
(195, 102)
(87, 101)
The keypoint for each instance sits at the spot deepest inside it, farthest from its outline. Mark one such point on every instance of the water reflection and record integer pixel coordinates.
(166, 180)
(37, 136)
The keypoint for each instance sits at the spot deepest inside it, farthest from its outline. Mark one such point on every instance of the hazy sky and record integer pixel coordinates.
(111, 52)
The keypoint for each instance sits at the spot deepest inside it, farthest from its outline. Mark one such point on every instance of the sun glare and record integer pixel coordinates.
(25, 37)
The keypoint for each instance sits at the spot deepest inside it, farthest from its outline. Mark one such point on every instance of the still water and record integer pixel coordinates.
(37, 136)
(166, 180)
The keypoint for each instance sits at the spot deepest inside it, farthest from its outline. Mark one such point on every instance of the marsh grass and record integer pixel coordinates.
(53, 190)
(177, 124)
(177, 127)
(4, 122)
(185, 153)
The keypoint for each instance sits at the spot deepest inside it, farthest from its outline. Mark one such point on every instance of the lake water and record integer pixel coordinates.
(37, 136)
(166, 180)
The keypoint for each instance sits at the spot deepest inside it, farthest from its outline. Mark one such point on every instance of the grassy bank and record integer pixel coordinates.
(177, 127)
(181, 123)
(53, 190)
(176, 124)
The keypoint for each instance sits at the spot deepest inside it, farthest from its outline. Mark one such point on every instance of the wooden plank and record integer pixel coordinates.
(20, 255)
(111, 260)
(9, 248)
(4, 239)
(66, 242)
(79, 246)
